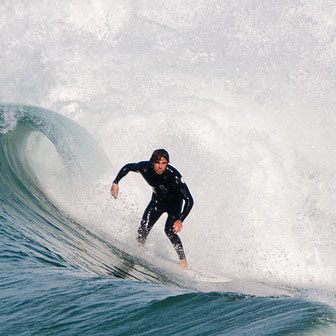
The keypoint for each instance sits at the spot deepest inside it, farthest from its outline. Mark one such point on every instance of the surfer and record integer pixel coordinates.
(169, 192)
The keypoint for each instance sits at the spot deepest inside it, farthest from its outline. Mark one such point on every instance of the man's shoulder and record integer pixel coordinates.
(173, 171)
(143, 165)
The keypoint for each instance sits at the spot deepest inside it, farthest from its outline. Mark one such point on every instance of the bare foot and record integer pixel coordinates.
(184, 264)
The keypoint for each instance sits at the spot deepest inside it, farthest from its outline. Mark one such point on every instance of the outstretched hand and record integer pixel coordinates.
(114, 190)
(177, 227)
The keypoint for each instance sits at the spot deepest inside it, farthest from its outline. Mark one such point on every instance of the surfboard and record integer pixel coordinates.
(203, 276)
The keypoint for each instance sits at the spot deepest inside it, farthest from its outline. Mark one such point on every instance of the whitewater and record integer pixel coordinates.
(241, 94)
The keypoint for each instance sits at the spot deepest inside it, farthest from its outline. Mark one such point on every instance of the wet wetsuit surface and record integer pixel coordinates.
(169, 192)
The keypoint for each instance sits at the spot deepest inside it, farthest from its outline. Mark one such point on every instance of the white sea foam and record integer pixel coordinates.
(8, 120)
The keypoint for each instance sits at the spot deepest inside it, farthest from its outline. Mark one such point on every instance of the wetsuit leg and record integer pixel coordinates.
(174, 212)
(149, 218)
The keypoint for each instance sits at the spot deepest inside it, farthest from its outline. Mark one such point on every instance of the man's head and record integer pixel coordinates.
(160, 159)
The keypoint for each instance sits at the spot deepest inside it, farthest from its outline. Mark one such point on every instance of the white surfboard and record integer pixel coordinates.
(206, 276)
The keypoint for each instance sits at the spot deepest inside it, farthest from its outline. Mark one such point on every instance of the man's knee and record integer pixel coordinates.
(169, 231)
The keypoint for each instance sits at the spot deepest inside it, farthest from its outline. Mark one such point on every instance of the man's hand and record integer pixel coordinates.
(115, 190)
(177, 227)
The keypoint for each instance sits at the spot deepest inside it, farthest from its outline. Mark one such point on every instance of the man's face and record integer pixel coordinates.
(160, 166)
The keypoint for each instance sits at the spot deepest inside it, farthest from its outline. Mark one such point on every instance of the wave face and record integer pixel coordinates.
(241, 95)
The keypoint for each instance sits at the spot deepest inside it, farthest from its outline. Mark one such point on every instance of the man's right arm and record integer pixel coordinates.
(134, 167)
(125, 170)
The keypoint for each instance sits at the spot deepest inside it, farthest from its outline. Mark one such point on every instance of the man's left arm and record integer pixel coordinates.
(189, 201)
(188, 204)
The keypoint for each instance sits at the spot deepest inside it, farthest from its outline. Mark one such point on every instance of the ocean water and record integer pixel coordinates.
(240, 93)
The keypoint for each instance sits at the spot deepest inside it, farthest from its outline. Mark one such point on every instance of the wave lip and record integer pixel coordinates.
(74, 144)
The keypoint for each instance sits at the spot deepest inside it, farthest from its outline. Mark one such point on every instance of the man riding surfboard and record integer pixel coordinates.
(169, 192)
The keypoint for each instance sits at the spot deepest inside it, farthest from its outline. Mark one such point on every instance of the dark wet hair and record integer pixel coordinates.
(158, 154)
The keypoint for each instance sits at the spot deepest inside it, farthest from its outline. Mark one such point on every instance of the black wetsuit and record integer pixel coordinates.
(169, 191)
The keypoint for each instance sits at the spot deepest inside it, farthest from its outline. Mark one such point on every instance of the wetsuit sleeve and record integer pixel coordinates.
(133, 167)
(189, 202)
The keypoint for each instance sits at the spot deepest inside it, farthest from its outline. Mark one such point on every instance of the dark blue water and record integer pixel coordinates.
(58, 278)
